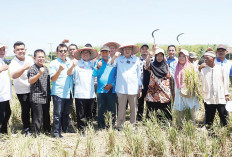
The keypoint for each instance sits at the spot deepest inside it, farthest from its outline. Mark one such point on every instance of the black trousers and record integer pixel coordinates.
(5, 113)
(41, 113)
(25, 109)
(210, 110)
(165, 109)
(84, 110)
(141, 105)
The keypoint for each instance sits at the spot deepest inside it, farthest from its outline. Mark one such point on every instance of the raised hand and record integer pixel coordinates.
(41, 70)
(65, 41)
(4, 67)
(99, 64)
(74, 63)
(26, 66)
(117, 54)
(62, 66)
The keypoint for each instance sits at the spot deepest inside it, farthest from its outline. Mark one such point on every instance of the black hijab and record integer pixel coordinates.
(159, 69)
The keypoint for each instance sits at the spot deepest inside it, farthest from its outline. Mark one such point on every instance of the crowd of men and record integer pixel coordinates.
(113, 78)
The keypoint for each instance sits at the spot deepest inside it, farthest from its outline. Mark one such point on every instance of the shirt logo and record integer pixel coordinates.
(122, 61)
(82, 67)
(133, 62)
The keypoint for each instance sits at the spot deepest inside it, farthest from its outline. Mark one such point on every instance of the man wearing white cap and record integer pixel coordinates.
(5, 92)
(128, 82)
(215, 91)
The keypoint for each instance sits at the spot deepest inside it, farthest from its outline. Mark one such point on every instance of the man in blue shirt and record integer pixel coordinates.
(84, 85)
(128, 82)
(62, 86)
(106, 79)
(172, 62)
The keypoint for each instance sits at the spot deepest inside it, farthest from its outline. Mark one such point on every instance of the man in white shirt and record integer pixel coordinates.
(128, 82)
(5, 92)
(18, 71)
(215, 91)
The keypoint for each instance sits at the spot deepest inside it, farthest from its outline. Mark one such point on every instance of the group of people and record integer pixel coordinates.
(121, 77)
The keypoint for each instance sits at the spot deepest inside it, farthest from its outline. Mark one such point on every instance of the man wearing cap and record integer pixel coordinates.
(145, 76)
(221, 60)
(193, 59)
(106, 79)
(18, 71)
(128, 82)
(84, 84)
(215, 91)
(62, 89)
(113, 48)
(5, 92)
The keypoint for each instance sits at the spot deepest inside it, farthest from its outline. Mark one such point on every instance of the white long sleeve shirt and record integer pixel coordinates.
(128, 75)
(5, 84)
(214, 86)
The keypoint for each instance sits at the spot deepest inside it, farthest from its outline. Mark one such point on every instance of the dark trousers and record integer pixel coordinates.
(41, 113)
(84, 110)
(141, 105)
(165, 109)
(106, 102)
(210, 110)
(61, 111)
(25, 109)
(5, 113)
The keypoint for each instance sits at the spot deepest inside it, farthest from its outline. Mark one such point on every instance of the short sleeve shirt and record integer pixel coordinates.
(21, 84)
(40, 90)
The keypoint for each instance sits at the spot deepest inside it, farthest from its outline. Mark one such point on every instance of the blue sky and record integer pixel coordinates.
(38, 23)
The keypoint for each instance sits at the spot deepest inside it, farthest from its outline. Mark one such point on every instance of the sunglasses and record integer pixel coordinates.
(63, 51)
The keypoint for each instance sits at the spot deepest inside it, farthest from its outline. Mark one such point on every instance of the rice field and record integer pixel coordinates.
(146, 138)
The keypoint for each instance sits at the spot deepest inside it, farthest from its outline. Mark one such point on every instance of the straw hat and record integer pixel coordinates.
(93, 53)
(135, 49)
(2, 45)
(116, 45)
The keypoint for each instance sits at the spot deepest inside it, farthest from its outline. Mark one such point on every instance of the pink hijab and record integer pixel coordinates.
(180, 72)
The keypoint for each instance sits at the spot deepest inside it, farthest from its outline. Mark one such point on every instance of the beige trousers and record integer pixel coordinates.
(122, 100)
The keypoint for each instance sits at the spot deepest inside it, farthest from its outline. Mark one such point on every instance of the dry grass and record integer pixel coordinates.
(147, 138)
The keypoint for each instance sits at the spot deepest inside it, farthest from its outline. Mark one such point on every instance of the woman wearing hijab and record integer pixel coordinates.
(182, 99)
(159, 94)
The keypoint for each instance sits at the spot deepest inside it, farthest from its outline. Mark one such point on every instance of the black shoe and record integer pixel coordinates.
(27, 132)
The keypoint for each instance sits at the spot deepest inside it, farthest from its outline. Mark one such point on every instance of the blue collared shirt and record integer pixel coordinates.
(63, 86)
(227, 69)
(105, 75)
(128, 75)
(84, 80)
(226, 64)
(172, 64)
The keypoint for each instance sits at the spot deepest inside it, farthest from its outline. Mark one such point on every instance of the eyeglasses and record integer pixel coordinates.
(63, 51)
